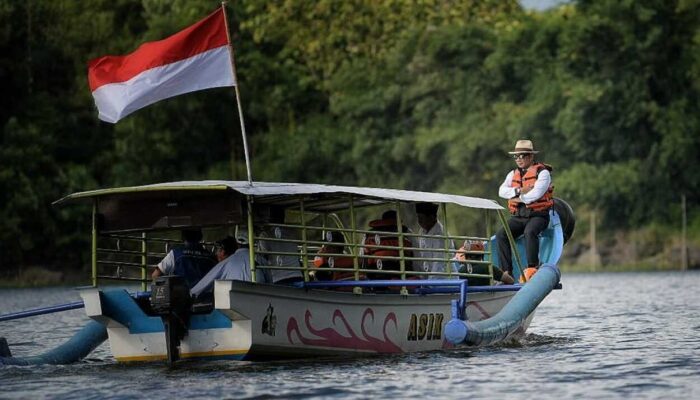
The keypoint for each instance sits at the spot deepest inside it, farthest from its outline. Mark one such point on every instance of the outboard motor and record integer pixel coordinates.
(170, 299)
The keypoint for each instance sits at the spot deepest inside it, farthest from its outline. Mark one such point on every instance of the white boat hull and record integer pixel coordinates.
(256, 321)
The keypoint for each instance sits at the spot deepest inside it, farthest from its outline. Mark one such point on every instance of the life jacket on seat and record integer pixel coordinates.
(192, 262)
(528, 180)
(386, 235)
(329, 262)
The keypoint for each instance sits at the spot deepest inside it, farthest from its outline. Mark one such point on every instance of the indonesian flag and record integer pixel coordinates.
(195, 58)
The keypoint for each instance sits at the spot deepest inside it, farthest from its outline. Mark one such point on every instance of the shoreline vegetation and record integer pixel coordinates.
(36, 276)
(652, 248)
(54, 279)
(581, 268)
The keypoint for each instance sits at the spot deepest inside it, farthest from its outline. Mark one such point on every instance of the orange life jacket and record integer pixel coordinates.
(323, 262)
(386, 236)
(545, 202)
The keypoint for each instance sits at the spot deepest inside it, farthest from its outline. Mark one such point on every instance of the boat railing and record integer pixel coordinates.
(360, 249)
(133, 256)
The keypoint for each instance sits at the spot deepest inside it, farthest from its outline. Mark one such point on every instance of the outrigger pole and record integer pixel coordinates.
(238, 95)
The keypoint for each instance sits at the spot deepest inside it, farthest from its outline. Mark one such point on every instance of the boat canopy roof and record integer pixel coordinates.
(321, 198)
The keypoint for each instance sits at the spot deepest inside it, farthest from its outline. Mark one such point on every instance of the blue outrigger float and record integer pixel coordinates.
(385, 304)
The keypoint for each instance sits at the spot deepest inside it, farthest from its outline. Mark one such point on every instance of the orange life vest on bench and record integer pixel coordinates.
(326, 264)
(386, 235)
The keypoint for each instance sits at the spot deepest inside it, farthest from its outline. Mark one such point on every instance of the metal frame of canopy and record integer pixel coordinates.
(275, 193)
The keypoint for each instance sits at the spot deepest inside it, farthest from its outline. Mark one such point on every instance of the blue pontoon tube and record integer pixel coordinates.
(507, 321)
(76, 348)
(79, 346)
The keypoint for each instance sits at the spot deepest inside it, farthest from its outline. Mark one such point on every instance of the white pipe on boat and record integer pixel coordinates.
(510, 318)
(79, 346)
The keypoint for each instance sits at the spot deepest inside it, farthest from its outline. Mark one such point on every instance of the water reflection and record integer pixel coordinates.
(603, 335)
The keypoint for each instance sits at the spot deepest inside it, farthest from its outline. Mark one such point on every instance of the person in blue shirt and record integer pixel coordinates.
(191, 260)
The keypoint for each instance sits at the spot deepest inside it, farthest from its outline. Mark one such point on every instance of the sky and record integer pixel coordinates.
(541, 4)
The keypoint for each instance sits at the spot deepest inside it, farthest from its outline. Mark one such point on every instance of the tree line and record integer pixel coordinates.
(423, 95)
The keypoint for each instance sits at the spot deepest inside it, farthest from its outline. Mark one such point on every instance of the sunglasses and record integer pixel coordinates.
(521, 156)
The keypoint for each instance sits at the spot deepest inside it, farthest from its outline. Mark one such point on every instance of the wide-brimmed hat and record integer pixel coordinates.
(523, 146)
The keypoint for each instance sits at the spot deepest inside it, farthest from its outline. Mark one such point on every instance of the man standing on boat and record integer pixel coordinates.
(528, 189)
(191, 261)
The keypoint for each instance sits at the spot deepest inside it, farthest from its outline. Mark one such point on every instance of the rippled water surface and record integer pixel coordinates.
(628, 335)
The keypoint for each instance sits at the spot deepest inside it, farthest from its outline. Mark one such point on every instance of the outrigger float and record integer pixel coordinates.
(397, 310)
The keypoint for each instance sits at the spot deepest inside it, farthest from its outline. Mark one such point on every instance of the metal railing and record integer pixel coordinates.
(358, 253)
(132, 257)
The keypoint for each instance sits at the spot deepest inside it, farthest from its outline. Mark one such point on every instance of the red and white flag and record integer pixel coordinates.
(195, 58)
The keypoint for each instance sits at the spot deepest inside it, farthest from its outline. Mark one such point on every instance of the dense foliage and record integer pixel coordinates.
(425, 95)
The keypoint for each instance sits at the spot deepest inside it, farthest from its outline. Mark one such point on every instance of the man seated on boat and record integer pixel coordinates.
(529, 191)
(388, 224)
(234, 264)
(279, 276)
(432, 247)
(191, 261)
(470, 251)
(330, 256)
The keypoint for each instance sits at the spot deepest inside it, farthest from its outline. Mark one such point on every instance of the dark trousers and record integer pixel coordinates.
(530, 227)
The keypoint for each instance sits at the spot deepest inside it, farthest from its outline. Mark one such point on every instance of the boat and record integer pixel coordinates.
(387, 305)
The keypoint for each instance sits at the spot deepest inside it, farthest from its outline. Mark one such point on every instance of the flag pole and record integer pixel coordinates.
(238, 95)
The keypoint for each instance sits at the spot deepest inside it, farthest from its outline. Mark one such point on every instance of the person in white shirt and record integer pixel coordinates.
(529, 191)
(234, 264)
(429, 225)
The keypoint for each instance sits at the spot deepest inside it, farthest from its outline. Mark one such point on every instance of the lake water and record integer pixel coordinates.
(605, 335)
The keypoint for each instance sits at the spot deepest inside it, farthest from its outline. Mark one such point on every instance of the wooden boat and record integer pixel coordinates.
(134, 227)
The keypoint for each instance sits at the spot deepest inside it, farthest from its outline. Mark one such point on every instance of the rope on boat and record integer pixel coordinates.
(75, 349)
(510, 318)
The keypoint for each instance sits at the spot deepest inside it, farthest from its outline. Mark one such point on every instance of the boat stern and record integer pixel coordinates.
(134, 335)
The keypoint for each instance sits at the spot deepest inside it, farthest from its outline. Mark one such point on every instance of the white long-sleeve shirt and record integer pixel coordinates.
(426, 244)
(544, 180)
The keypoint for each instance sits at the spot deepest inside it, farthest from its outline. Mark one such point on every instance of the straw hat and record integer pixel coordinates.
(523, 146)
